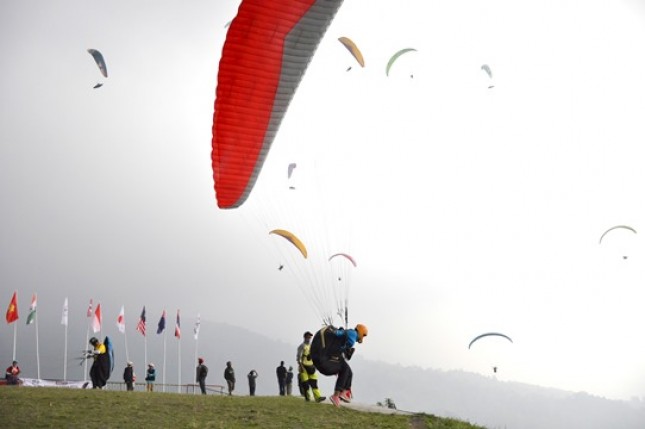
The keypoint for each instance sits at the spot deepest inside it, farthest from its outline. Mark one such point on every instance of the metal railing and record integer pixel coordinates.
(190, 389)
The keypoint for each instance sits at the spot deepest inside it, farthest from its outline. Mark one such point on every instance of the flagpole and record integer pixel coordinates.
(196, 340)
(37, 349)
(196, 332)
(145, 350)
(87, 340)
(65, 357)
(179, 365)
(125, 340)
(163, 377)
(15, 332)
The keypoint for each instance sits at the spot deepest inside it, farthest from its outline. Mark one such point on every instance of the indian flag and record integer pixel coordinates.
(32, 310)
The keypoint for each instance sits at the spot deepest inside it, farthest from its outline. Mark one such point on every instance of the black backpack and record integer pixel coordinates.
(326, 344)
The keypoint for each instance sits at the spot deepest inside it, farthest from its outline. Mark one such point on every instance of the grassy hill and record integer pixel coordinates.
(76, 408)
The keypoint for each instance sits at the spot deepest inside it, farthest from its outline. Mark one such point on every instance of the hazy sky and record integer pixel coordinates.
(468, 209)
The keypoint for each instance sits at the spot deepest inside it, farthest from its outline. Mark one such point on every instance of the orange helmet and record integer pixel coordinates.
(362, 332)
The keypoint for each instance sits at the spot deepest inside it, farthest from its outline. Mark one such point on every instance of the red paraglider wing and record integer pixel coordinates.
(267, 50)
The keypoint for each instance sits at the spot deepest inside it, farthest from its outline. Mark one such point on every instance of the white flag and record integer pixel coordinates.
(120, 321)
(196, 330)
(64, 320)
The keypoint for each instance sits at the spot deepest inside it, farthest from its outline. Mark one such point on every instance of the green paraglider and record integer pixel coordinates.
(396, 56)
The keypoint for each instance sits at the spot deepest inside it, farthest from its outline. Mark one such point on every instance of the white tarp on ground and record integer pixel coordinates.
(35, 382)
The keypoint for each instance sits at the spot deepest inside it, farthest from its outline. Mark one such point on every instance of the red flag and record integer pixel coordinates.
(12, 311)
(141, 326)
(177, 327)
(89, 309)
(96, 323)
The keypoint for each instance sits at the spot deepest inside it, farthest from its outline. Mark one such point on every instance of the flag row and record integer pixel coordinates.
(94, 312)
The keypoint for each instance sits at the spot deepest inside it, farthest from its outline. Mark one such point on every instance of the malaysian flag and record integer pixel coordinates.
(141, 326)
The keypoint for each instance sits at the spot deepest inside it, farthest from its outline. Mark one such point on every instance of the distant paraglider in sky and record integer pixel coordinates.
(99, 60)
(353, 49)
(617, 227)
(100, 63)
(346, 256)
(262, 47)
(395, 57)
(342, 266)
(629, 228)
(291, 237)
(489, 72)
(488, 334)
(290, 169)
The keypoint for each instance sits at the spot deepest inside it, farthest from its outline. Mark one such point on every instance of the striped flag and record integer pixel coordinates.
(178, 327)
(89, 309)
(32, 310)
(141, 326)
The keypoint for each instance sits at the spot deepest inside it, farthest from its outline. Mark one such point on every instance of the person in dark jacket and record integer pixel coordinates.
(281, 372)
(252, 376)
(151, 376)
(229, 376)
(100, 370)
(202, 372)
(129, 377)
(331, 348)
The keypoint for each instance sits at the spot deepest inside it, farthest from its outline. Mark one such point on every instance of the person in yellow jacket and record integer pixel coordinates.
(100, 370)
(307, 376)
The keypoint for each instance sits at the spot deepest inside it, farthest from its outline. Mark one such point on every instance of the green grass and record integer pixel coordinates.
(75, 408)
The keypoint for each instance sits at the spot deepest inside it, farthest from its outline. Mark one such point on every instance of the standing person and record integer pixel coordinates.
(229, 376)
(151, 376)
(331, 348)
(100, 370)
(252, 376)
(307, 376)
(281, 372)
(289, 380)
(12, 373)
(129, 377)
(202, 372)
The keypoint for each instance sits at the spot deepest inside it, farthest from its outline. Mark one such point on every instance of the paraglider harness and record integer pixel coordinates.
(327, 350)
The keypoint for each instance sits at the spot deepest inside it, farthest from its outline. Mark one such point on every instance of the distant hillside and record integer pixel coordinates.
(466, 396)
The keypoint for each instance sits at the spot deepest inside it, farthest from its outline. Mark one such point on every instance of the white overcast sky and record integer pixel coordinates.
(468, 209)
